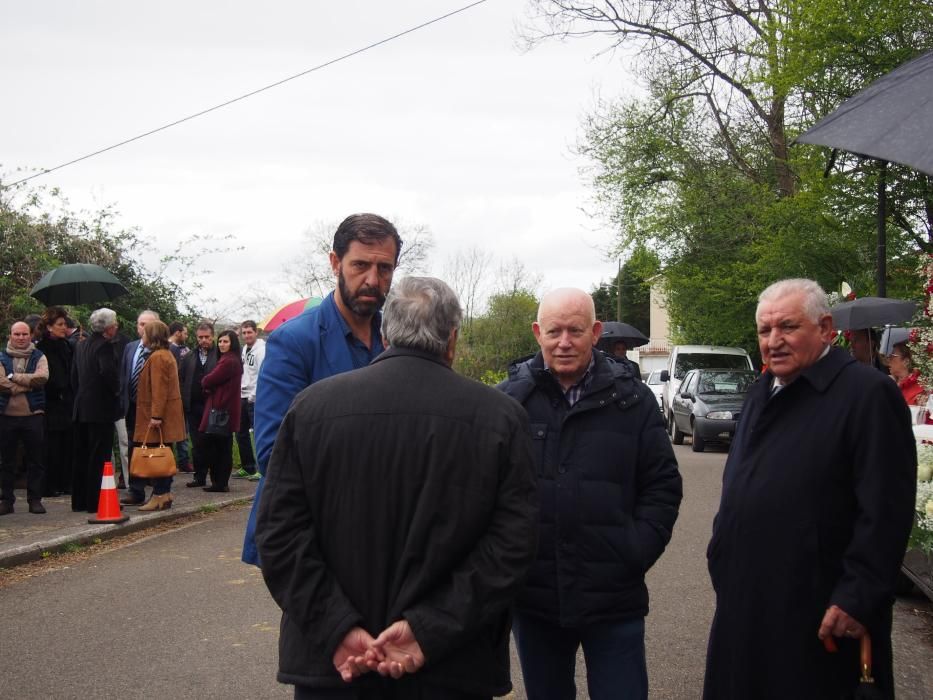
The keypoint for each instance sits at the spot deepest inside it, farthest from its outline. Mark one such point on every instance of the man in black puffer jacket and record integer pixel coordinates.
(609, 491)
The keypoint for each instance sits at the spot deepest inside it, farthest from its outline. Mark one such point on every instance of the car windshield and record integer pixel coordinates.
(655, 377)
(706, 360)
(725, 382)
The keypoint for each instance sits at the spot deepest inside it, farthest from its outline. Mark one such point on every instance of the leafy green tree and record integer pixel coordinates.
(498, 337)
(702, 171)
(39, 233)
(633, 280)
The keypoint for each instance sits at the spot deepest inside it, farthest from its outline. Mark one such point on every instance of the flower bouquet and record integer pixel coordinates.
(921, 537)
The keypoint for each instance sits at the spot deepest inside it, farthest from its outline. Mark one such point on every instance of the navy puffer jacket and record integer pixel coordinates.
(609, 491)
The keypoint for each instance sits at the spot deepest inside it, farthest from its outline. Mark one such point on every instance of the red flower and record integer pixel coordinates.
(851, 295)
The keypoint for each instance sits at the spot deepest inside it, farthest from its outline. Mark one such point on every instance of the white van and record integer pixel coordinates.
(687, 357)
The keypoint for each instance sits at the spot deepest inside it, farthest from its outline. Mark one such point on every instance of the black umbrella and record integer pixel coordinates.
(891, 119)
(78, 283)
(627, 333)
(872, 312)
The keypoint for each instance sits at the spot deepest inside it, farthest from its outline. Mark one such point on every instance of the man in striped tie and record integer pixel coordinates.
(134, 357)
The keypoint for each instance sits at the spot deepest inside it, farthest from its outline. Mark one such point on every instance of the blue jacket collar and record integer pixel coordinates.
(333, 332)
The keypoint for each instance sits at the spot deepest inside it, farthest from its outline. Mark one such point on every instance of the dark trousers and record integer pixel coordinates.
(182, 458)
(218, 453)
(614, 653)
(135, 485)
(198, 459)
(405, 688)
(244, 442)
(28, 431)
(59, 461)
(93, 447)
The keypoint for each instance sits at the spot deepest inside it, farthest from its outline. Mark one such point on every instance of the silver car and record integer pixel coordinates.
(655, 384)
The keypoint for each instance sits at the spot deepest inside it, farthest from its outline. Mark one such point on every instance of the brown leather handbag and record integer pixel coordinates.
(153, 462)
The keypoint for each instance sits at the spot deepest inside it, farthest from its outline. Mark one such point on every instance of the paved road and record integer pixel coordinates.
(177, 615)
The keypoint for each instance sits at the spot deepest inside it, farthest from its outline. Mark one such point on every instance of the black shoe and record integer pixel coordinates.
(217, 489)
(6, 507)
(194, 482)
(131, 500)
(121, 484)
(37, 508)
(186, 469)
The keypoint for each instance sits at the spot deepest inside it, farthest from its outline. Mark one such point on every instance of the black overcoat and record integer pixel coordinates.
(817, 504)
(59, 397)
(96, 381)
(399, 490)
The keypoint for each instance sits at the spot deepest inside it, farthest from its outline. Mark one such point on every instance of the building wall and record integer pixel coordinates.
(654, 355)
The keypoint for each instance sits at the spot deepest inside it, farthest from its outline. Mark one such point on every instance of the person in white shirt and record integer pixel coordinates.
(253, 352)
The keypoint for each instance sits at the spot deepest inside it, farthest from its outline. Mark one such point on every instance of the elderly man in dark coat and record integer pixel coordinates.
(96, 381)
(398, 519)
(817, 504)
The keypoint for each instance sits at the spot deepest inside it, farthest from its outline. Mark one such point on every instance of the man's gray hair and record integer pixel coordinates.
(420, 314)
(102, 319)
(149, 312)
(815, 304)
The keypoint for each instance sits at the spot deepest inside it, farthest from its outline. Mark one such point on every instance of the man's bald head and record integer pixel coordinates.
(566, 331)
(20, 335)
(144, 318)
(567, 298)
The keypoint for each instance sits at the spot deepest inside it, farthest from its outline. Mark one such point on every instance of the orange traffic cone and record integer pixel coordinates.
(108, 505)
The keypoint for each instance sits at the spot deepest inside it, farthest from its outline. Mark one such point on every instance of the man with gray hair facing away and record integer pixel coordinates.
(817, 503)
(398, 519)
(95, 377)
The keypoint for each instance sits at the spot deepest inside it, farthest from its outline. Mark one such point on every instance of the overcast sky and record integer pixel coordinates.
(451, 127)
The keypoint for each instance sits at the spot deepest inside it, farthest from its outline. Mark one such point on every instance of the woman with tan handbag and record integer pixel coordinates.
(160, 418)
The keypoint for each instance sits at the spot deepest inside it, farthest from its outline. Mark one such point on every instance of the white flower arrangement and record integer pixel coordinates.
(921, 537)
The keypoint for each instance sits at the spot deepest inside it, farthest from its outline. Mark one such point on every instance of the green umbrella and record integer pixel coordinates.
(79, 283)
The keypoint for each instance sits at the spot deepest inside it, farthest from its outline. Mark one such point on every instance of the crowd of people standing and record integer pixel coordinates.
(70, 400)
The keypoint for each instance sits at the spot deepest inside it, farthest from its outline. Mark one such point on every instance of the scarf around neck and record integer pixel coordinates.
(13, 352)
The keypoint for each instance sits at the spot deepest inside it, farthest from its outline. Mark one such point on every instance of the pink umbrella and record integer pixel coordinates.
(288, 311)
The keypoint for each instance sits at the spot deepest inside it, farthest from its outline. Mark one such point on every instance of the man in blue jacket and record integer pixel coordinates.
(609, 492)
(339, 335)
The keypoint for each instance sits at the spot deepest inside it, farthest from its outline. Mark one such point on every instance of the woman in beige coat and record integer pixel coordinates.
(158, 406)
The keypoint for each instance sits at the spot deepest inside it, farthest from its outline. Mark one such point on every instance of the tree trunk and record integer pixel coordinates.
(776, 134)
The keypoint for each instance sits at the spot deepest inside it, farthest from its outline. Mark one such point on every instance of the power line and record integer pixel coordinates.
(249, 94)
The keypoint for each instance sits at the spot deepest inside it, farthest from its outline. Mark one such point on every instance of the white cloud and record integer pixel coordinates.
(450, 127)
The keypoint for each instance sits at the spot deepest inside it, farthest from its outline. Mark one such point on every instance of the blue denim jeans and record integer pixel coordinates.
(614, 654)
(181, 453)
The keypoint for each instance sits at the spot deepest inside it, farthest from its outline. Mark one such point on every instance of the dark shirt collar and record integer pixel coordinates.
(375, 326)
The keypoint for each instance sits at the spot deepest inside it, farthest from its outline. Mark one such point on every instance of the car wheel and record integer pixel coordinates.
(676, 436)
(698, 443)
